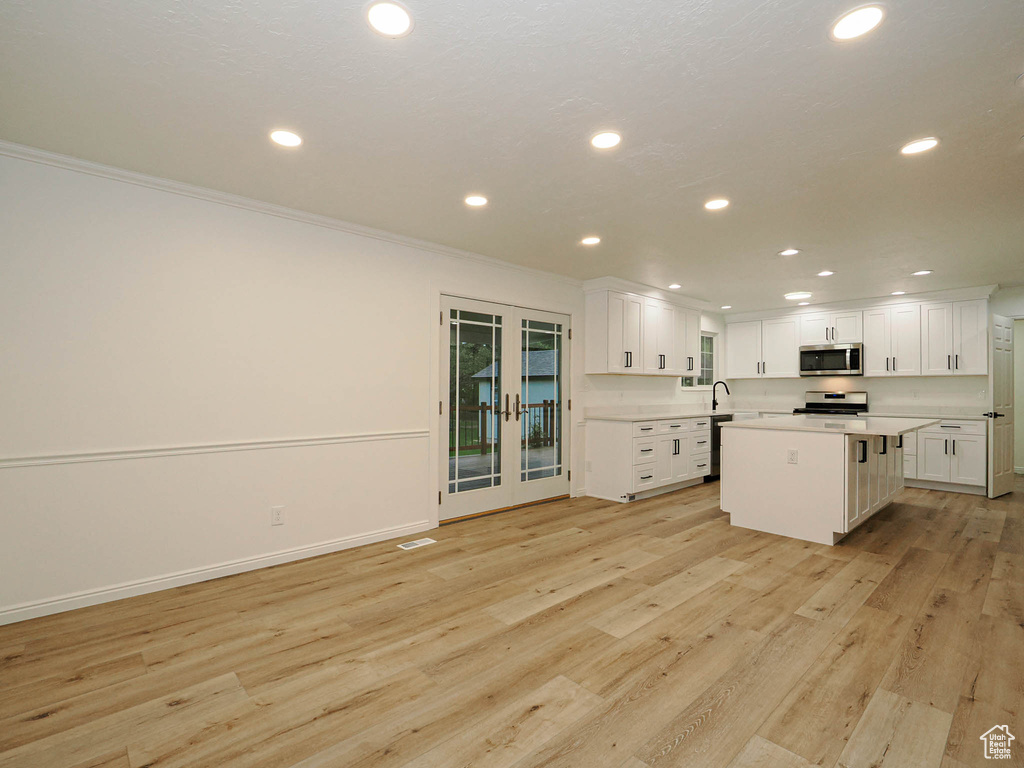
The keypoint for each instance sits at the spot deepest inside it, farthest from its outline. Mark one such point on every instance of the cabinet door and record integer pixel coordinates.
(780, 348)
(894, 476)
(743, 350)
(878, 466)
(858, 500)
(847, 327)
(815, 329)
(681, 459)
(937, 339)
(691, 363)
(616, 332)
(659, 333)
(877, 343)
(906, 340)
(970, 337)
(967, 459)
(667, 344)
(665, 459)
(933, 457)
(632, 328)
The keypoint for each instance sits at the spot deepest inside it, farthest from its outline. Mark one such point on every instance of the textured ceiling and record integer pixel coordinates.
(744, 99)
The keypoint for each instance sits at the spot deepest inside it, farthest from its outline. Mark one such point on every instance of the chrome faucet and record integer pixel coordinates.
(714, 394)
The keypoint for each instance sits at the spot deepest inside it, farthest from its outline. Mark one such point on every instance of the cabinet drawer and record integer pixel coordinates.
(953, 427)
(676, 425)
(700, 443)
(700, 465)
(644, 477)
(703, 423)
(644, 450)
(643, 428)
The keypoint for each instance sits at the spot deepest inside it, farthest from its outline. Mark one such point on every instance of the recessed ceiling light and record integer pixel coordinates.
(789, 252)
(717, 204)
(919, 145)
(825, 273)
(476, 201)
(898, 293)
(592, 240)
(674, 286)
(286, 138)
(727, 306)
(389, 19)
(796, 295)
(606, 140)
(921, 272)
(857, 22)
(803, 303)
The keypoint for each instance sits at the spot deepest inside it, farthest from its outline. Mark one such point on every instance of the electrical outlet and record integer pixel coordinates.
(277, 515)
(792, 456)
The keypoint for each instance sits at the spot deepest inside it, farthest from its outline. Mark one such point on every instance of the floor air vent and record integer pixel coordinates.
(417, 543)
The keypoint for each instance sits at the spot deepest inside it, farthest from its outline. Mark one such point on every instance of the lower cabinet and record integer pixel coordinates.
(629, 458)
(949, 452)
(874, 475)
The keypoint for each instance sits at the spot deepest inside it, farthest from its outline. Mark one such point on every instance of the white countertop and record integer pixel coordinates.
(681, 412)
(869, 425)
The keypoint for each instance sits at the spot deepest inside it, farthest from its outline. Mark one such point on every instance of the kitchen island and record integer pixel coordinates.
(811, 477)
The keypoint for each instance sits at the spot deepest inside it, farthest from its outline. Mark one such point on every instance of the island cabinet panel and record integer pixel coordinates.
(874, 466)
(952, 452)
(858, 485)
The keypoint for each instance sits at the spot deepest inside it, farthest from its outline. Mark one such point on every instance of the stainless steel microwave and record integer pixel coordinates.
(832, 360)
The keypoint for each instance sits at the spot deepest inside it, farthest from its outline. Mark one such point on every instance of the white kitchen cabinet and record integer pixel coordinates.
(954, 338)
(763, 349)
(832, 328)
(628, 333)
(780, 348)
(953, 452)
(626, 458)
(892, 341)
(858, 482)
(743, 350)
(659, 348)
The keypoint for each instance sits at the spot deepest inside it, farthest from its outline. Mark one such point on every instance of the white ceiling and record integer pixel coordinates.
(745, 99)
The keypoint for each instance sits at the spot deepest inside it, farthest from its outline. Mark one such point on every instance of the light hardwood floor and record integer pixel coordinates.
(579, 633)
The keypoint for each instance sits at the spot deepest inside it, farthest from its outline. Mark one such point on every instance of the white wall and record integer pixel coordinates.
(174, 366)
(1008, 302)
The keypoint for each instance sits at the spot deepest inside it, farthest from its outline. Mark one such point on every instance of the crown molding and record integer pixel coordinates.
(68, 163)
(627, 286)
(952, 294)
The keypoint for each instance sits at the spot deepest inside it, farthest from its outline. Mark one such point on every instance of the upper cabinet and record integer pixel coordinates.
(954, 338)
(832, 328)
(763, 349)
(633, 334)
(892, 341)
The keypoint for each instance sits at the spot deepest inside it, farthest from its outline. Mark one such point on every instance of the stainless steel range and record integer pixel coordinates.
(834, 403)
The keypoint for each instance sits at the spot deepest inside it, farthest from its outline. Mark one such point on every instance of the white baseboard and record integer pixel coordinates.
(1018, 470)
(931, 485)
(23, 611)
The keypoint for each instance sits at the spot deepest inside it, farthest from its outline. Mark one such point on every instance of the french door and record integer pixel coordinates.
(504, 408)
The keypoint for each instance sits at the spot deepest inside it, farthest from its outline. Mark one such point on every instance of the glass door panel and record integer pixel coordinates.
(541, 426)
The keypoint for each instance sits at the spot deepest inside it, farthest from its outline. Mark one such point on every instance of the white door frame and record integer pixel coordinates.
(515, 488)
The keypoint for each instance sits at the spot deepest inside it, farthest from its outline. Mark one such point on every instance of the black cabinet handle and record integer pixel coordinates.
(954, 446)
(945, 448)
(949, 362)
(674, 426)
(764, 367)
(646, 477)
(701, 466)
(887, 363)
(894, 364)
(661, 362)
(900, 443)
(629, 360)
(956, 362)
(646, 429)
(949, 426)
(646, 450)
(675, 448)
(885, 445)
(833, 333)
(863, 445)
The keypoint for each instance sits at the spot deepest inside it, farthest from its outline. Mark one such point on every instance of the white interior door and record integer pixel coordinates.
(1001, 430)
(504, 403)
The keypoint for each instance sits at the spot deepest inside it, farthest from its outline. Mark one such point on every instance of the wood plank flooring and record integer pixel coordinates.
(580, 633)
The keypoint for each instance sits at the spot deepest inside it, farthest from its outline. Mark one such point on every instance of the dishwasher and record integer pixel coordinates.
(716, 445)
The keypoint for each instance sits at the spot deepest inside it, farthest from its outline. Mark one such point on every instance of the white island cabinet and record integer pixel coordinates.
(812, 478)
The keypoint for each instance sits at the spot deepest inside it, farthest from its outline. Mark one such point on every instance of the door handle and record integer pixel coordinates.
(675, 451)
(954, 446)
(517, 407)
(945, 448)
(956, 362)
(993, 415)
(863, 445)
(661, 362)
(764, 367)
(826, 334)
(629, 360)
(894, 364)
(833, 333)
(508, 411)
(690, 363)
(949, 362)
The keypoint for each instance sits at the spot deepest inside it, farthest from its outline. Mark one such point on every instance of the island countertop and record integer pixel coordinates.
(877, 425)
